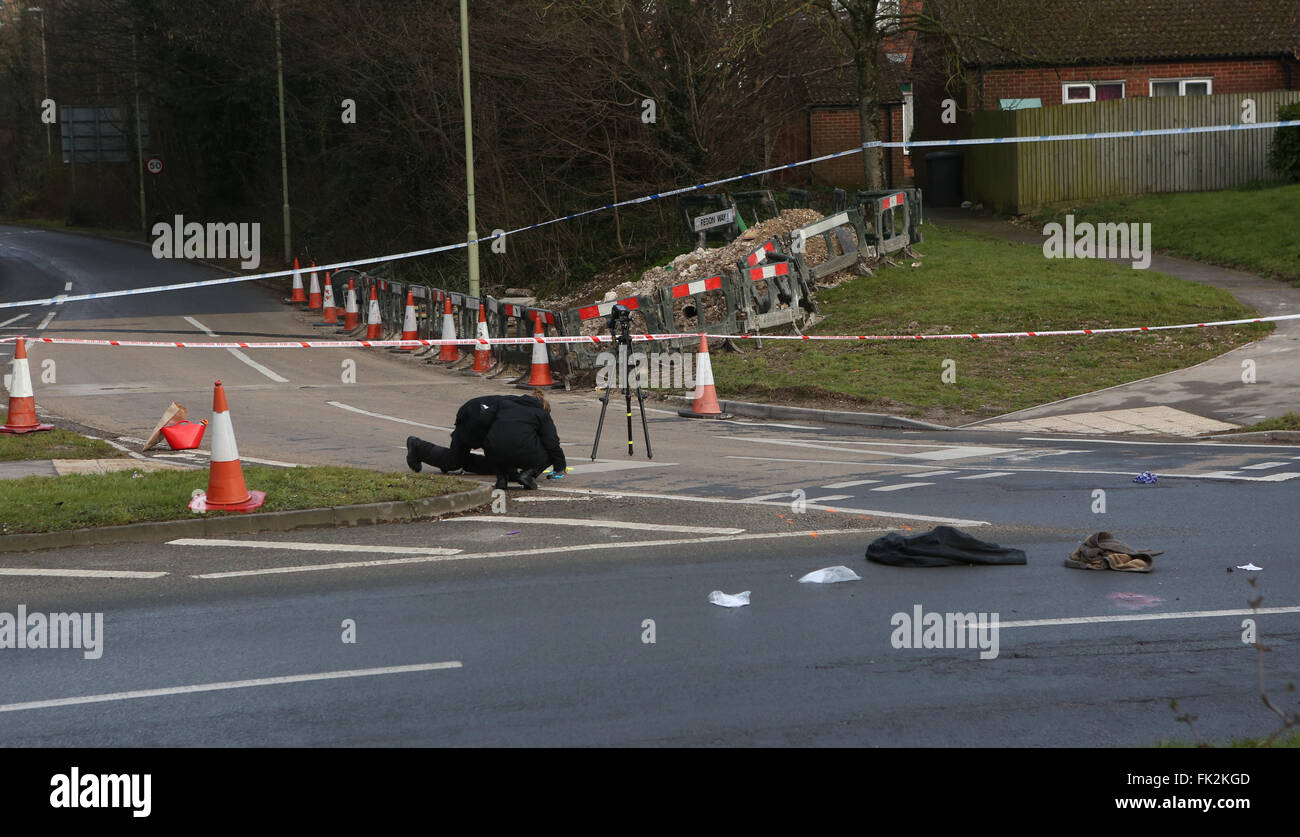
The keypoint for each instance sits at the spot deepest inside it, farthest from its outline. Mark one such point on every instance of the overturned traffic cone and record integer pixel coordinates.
(351, 313)
(482, 349)
(448, 353)
(22, 404)
(706, 397)
(409, 329)
(331, 314)
(540, 372)
(374, 324)
(298, 294)
(226, 488)
(314, 298)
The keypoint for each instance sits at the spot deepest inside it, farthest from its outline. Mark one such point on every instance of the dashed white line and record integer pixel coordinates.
(274, 376)
(829, 497)
(229, 684)
(1262, 466)
(1144, 617)
(360, 411)
(67, 286)
(850, 483)
(45, 571)
(303, 546)
(933, 473)
(23, 316)
(989, 475)
(584, 547)
(48, 318)
(777, 496)
(598, 524)
(901, 486)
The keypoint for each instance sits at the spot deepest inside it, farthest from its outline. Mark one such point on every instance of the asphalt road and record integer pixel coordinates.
(544, 618)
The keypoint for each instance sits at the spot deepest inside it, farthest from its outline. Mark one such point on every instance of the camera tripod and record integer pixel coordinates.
(620, 325)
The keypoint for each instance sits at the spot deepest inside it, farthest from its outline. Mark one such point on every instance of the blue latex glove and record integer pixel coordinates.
(554, 476)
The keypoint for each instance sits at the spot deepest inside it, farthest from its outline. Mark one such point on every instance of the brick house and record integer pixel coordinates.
(1094, 50)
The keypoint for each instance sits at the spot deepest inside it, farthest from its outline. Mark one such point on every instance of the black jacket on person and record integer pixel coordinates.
(523, 436)
(475, 417)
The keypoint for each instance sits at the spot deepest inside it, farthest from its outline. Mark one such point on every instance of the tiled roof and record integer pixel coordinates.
(1091, 31)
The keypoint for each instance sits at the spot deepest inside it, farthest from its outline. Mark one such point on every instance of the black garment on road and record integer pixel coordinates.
(523, 436)
(942, 546)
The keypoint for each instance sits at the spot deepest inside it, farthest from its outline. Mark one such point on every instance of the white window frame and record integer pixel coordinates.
(1182, 84)
(1092, 90)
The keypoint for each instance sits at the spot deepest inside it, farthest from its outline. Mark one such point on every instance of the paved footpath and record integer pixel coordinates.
(1200, 399)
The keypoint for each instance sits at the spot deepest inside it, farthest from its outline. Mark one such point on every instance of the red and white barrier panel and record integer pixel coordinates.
(596, 338)
(760, 254)
(893, 201)
(602, 309)
(713, 283)
(768, 271)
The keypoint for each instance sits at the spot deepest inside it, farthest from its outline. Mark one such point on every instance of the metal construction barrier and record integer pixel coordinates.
(844, 238)
(696, 304)
(914, 207)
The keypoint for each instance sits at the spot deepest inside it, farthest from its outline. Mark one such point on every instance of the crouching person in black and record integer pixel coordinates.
(473, 420)
(523, 437)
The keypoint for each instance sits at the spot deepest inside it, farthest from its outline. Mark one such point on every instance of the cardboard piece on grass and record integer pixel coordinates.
(174, 413)
(830, 575)
(722, 599)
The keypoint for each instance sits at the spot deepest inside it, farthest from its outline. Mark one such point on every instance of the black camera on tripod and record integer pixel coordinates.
(620, 319)
(620, 328)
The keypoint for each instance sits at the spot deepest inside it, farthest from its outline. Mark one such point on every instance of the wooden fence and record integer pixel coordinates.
(1019, 178)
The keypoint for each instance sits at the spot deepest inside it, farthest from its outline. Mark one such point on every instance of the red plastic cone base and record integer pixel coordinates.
(254, 501)
(16, 431)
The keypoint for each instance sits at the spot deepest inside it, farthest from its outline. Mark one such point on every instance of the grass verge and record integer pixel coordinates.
(967, 283)
(1286, 742)
(55, 504)
(1290, 421)
(53, 444)
(1252, 228)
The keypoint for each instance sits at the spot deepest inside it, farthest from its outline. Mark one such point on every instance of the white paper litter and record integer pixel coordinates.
(830, 575)
(1250, 567)
(718, 597)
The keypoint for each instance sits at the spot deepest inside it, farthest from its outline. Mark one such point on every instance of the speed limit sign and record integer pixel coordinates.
(154, 165)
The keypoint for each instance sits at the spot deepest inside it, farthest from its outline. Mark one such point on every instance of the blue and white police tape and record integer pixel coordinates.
(1245, 126)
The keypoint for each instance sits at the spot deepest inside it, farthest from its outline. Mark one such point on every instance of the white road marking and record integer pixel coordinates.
(240, 355)
(901, 486)
(229, 684)
(989, 475)
(1281, 476)
(585, 547)
(600, 524)
(627, 463)
(550, 499)
(778, 495)
(305, 546)
(951, 521)
(1262, 466)
(945, 452)
(67, 287)
(1144, 617)
(933, 473)
(829, 497)
(13, 320)
(769, 424)
(850, 483)
(1150, 444)
(1212, 475)
(45, 322)
(43, 571)
(387, 418)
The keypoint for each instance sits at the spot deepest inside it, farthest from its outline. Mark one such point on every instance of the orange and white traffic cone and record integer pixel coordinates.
(331, 314)
(374, 324)
(482, 350)
(313, 298)
(22, 403)
(540, 373)
(706, 397)
(351, 313)
(448, 353)
(226, 488)
(298, 294)
(409, 328)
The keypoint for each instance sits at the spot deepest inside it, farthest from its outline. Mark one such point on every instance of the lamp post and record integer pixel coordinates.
(284, 155)
(469, 148)
(45, 70)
